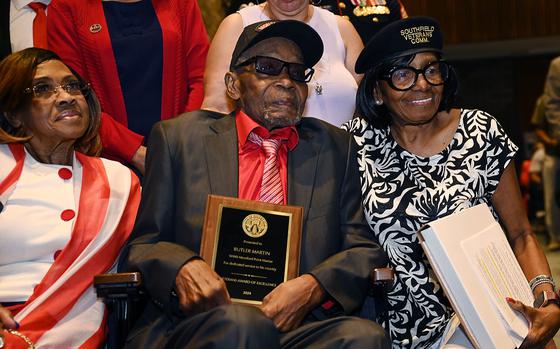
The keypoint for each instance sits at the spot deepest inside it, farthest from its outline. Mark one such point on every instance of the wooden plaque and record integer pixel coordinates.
(253, 245)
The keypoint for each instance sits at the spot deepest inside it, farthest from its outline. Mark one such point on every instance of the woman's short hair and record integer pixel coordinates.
(16, 74)
(378, 115)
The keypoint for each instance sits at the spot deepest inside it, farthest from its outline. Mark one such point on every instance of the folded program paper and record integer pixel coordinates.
(477, 269)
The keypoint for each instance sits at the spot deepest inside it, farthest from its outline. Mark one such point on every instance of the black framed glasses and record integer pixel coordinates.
(45, 90)
(403, 78)
(273, 66)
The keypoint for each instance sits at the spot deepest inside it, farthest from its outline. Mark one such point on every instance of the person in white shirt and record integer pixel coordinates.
(18, 21)
(331, 91)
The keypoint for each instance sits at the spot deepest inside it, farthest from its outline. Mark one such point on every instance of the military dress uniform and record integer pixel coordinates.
(367, 16)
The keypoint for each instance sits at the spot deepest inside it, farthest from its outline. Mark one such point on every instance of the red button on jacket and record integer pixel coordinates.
(65, 173)
(67, 215)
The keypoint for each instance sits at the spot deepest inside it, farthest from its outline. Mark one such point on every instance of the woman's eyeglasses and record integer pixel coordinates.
(403, 78)
(272, 66)
(45, 90)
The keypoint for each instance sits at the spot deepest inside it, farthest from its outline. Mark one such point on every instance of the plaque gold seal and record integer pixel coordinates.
(255, 225)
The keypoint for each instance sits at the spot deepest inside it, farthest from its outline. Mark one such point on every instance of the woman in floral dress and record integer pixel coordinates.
(420, 160)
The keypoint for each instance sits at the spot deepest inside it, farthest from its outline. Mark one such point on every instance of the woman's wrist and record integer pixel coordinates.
(539, 281)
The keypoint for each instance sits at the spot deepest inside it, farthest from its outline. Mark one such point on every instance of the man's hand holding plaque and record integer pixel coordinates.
(199, 288)
(291, 301)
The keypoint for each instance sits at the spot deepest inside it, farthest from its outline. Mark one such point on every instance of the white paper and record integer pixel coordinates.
(464, 249)
(499, 273)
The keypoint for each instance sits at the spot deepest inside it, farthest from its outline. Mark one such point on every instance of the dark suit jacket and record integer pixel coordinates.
(196, 154)
(5, 44)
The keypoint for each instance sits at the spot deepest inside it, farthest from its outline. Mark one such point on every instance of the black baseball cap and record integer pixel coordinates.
(300, 33)
(401, 38)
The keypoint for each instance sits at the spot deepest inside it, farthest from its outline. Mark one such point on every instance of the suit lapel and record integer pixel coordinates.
(302, 168)
(223, 165)
(222, 157)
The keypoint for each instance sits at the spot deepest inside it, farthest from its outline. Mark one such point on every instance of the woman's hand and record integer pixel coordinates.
(6, 321)
(543, 323)
(139, 159)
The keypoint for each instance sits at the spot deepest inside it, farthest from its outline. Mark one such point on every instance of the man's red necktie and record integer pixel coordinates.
(271, 187)
(39, 25)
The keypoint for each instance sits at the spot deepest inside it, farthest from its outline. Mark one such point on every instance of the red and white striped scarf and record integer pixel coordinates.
(63, 311)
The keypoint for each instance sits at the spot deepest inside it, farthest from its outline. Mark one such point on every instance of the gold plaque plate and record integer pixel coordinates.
(253, 245)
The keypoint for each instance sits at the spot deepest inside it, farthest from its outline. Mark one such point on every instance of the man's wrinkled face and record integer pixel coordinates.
(271, 100)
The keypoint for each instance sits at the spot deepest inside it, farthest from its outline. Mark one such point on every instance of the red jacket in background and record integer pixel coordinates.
(78, 33)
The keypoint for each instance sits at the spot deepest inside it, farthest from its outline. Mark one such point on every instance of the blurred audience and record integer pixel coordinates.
(546, 120)
(535, 200)
(144, 59)
(552, 114)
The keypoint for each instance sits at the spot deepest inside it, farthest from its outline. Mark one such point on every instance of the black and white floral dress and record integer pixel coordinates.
(402, 192)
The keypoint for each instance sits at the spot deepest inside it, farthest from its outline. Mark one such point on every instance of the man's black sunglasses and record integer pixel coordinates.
(272, 66)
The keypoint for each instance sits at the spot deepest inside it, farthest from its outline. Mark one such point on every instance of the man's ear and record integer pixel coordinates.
(232, 85)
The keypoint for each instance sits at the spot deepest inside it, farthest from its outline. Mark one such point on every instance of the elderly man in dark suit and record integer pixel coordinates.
(203, 152)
